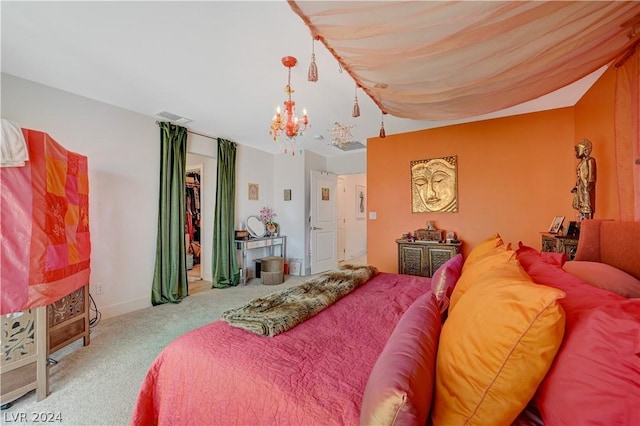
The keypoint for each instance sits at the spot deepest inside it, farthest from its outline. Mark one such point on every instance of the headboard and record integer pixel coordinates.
(613, 242)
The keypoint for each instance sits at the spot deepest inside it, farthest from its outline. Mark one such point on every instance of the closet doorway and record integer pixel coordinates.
(193, 222)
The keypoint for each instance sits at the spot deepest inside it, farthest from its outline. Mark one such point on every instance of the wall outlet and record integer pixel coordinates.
(99, 288)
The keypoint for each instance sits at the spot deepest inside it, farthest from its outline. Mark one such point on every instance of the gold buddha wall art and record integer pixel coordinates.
(434, 185)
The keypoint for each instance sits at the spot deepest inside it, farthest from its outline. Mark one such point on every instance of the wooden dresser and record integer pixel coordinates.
(423, 258)
(559, 244)
(29, 338)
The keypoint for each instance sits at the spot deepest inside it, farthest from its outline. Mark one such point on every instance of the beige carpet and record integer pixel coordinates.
(98, 384)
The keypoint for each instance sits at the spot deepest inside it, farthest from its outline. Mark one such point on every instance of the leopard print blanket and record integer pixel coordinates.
(283, 310)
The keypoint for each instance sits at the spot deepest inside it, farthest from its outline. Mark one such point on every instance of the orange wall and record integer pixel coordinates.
(514, 175)
(594, 121)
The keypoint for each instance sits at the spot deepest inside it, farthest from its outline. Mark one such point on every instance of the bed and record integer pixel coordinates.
(505, 336)
(314, 373)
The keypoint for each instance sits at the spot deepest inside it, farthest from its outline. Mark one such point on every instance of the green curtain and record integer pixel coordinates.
(170, 276)
(225, 262)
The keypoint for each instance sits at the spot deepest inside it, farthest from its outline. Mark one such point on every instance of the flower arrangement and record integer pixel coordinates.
(267, 215)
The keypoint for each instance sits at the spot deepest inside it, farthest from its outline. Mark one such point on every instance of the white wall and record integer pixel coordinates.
(289, 174)
(351, 163)
(253, 166)
(123, 149)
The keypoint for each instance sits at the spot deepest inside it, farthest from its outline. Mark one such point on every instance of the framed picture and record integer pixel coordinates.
(434, 185)
(287, 195)
(360, 201)
(573, 230)
(325, 194)
(294, 268)
(253, 191)
(556, 224)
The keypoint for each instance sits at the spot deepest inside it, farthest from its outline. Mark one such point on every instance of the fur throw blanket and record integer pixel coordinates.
(283, 310)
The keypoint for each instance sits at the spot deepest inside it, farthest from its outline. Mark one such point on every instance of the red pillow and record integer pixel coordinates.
(595, 377)
(400, 386)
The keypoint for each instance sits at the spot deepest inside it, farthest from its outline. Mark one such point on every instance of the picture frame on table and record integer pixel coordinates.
(556, 224)
(573, 230)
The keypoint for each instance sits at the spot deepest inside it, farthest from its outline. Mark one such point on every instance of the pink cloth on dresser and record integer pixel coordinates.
(45, 247)
(314, 373)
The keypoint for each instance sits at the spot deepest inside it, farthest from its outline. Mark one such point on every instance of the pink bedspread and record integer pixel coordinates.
(314, 373)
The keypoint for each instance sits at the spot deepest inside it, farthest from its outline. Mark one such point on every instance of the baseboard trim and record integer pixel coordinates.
(353, 255)
(124, 308)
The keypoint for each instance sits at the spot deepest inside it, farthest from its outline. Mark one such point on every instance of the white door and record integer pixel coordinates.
(342, 199)
(323, 221)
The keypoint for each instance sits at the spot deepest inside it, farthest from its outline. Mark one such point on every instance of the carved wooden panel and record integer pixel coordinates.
(67, 307)
(437, 257)
(18, 336)
(423, 258)
(412, 261)
(548, 244)
(566, 245)
(23, 363)
(569, 247)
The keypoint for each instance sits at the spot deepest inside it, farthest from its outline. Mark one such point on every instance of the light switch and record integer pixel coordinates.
(373, 215)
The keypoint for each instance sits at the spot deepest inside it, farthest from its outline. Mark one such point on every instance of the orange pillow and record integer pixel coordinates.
(503, 263)
(485, 248)
(495, 349)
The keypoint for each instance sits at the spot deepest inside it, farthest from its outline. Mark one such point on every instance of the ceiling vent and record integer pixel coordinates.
(173, 117)
(351, 146)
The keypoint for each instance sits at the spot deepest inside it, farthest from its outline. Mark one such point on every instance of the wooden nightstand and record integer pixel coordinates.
(423, 258)
(559, 244)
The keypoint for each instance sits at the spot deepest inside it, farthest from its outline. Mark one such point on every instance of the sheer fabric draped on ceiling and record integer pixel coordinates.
(428, 60)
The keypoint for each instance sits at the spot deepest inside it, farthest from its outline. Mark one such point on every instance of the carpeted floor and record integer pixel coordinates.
(98, 384)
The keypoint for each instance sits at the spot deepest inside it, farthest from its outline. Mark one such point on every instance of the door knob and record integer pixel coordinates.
(315, 228)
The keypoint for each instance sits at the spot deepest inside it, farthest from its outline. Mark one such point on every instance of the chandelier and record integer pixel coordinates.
(341, 134)
(289, 126)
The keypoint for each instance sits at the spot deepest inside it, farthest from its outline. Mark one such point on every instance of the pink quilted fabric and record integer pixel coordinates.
(314, 373)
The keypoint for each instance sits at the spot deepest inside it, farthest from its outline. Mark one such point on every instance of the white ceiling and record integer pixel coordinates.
(217, 63)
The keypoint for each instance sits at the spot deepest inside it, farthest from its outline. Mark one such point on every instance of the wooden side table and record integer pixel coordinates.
(559, 244)
(423, 258)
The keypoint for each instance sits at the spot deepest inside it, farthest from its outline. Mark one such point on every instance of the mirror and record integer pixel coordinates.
(255, 227)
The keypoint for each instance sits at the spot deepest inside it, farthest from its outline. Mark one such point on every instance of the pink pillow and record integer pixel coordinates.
(595, 377)
(605, 276)
(400, 385)
(444, 280)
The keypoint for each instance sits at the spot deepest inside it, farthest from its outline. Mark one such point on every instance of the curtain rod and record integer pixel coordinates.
(195, 133)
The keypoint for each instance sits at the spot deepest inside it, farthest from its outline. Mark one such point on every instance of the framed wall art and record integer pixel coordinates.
(253, 191)
(287, 195)
(360, 201)
(325, 194)
(434, 185)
